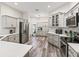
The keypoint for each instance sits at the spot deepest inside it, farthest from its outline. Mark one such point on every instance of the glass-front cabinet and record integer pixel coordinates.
(57, 20)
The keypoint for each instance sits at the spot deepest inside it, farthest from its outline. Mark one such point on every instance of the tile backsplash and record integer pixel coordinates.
(74, 29)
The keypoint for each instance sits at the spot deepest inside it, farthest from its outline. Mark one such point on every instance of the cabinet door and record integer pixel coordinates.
(11, 22)
(61, 21)
(4, 21)
(50, 39)
(17, 38)
(54, 39)
(8, 21)
(57, 22)
(53, 20)
(11, 38)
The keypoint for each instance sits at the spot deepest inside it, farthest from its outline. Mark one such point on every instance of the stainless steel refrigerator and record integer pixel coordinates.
(23, 32)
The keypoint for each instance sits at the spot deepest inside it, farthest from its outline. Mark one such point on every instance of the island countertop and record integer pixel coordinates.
(61, 35)
(9, 49)
(5, 35)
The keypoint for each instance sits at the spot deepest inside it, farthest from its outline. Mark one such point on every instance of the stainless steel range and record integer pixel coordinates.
(64, 47)
(64, 44)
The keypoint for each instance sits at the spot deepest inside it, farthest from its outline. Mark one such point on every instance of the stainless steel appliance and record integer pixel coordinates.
(64, 47)
(72, 21)
(64, 44)
(23, 32)
(58, 31)
(76, 37)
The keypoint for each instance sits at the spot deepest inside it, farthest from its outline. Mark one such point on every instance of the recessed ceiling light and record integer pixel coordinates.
(15, 3)
(49, 6)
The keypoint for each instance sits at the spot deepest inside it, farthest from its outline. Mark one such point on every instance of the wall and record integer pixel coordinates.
(6, 10)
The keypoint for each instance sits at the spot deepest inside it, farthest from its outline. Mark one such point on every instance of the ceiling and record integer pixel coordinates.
(36, 8)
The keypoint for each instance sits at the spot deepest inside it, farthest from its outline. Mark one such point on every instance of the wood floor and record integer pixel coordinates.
(41, 48)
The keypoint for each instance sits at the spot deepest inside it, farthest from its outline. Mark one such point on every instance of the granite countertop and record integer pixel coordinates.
(75, 46)
(5, 35)
(61, 35)
(9, 49)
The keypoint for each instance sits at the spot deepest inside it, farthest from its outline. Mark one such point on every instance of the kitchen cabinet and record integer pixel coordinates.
(71, 52)
(17, 38)
(57, 20)
(11, 22)
(8, 21)
(12, 38)
(54, 39)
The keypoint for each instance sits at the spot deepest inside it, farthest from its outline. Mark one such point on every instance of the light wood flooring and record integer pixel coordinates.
(41, 48)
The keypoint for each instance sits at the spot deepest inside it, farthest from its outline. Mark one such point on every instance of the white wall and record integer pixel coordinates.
(25, 15)
(6, 10)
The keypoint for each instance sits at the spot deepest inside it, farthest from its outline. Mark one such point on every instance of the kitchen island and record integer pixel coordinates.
(9, 49)
(55, 38)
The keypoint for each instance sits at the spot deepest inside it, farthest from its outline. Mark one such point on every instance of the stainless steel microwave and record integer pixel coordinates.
(72, 21)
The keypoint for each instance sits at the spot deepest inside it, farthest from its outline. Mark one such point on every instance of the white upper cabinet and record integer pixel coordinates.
(57, 20)
(8, 21)
(11, 22)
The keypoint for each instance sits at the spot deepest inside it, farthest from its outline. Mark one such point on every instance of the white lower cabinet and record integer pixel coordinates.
(71, 52)
(54, 39)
